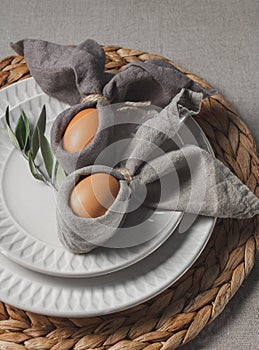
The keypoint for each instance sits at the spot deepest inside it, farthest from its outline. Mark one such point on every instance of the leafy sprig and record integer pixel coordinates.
(30, 141)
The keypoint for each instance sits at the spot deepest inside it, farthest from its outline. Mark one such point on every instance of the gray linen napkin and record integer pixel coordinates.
(72, 73)
(206, 186)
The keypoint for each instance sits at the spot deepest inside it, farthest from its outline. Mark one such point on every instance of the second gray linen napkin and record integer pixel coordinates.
(206, 186)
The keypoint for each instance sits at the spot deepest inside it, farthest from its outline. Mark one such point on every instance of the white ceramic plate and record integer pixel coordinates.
(28, 233)
(116, 291)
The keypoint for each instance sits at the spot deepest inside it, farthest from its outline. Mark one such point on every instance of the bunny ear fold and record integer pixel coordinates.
(18, 47)
(161, 127)
(188, 103)
(154, 80)
(67, 73)
(205, 186)
(88, 62)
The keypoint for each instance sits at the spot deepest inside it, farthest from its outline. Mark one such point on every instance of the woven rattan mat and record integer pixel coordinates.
(180, 313)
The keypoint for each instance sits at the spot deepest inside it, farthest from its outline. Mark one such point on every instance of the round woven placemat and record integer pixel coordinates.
(180, 313)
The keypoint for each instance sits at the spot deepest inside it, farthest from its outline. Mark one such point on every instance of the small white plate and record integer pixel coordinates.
(28, 229)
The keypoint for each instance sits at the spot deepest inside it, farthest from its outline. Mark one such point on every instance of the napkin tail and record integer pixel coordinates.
(203, 185)
(156, 81)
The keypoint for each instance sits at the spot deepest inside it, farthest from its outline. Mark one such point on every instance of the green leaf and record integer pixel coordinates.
(10, 132)
(34, 143)
(60, 175)
(41, 125)
(33, 168)
(27, 132)
(20, 132)
(46, 152)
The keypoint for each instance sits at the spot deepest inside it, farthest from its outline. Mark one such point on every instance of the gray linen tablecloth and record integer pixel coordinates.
(215, 39)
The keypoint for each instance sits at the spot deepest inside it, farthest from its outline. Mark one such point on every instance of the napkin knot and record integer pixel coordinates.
(126, 174)
(94, 98)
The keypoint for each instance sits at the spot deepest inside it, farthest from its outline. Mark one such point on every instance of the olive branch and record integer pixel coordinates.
(29, 141)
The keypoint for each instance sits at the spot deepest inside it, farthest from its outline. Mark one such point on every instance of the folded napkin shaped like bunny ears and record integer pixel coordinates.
(206, 187)
(76, 74)
(213, 191)
(71, 73)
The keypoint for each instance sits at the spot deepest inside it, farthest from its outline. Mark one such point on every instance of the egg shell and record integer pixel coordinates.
(93, 195)
(81, 130)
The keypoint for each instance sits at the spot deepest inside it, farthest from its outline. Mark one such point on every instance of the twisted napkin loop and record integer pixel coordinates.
(126, 174)
(185, 179)
(94, 98)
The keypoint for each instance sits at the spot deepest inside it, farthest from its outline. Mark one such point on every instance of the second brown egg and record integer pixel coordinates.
(81, 130)
(94, 195)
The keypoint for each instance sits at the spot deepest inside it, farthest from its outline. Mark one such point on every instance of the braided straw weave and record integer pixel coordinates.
(180, 313)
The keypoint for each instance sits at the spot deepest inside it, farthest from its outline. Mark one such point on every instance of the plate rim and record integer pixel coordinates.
(83, 313)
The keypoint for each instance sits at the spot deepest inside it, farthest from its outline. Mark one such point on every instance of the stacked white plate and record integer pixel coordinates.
(38, 274)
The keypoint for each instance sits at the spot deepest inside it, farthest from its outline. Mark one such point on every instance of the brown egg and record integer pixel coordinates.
(81, 130)
(92, 196)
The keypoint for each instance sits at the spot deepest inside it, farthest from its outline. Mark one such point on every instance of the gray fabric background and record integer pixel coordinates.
(217, 40)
